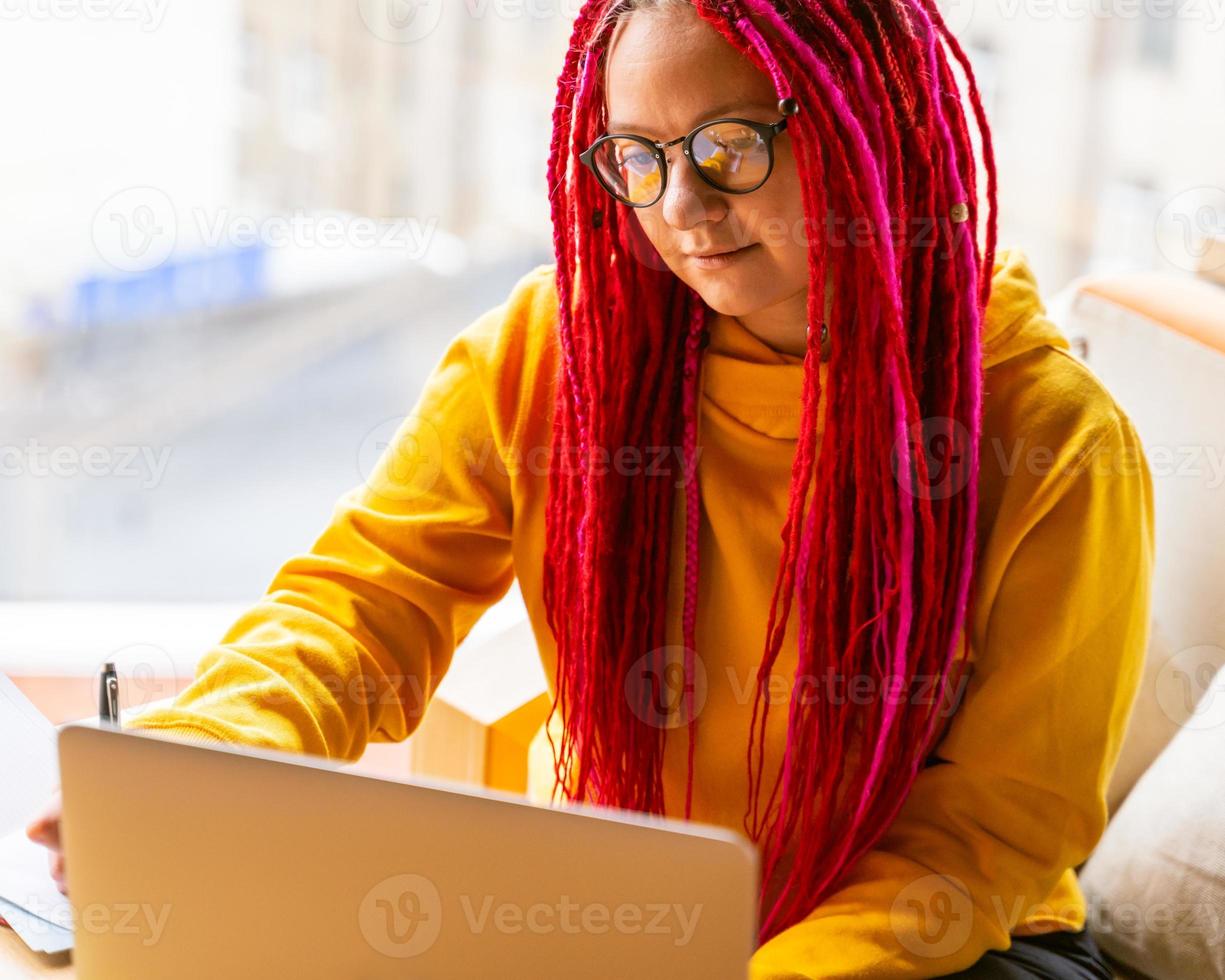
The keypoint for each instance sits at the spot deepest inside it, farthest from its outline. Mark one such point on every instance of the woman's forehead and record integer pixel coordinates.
(662, 82)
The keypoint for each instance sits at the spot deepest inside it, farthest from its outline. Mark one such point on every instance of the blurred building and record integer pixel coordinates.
(1108, 132)
(453, 126)
(238, 111)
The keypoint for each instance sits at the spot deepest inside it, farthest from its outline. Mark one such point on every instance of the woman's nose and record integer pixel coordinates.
(688, 200)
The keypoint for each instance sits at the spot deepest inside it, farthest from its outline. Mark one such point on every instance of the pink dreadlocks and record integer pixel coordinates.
(880, 571)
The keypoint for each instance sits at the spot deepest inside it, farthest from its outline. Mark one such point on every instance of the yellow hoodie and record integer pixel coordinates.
(353, 637)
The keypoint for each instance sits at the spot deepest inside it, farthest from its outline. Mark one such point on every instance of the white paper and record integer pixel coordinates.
(30, 765)
(25, 879)
(30, 776)
(39, 934)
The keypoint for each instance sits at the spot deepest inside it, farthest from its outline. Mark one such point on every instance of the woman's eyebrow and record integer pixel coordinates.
(719, 110)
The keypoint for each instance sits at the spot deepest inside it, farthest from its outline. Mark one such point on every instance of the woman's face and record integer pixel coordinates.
(668, 71)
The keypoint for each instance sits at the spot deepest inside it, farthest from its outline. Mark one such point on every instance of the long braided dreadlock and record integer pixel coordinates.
(881, 571)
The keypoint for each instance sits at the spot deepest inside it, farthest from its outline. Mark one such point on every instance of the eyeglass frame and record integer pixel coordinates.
(767, 131)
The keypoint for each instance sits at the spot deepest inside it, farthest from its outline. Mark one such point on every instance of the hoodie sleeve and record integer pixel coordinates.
(1014, 796)
(352, 638)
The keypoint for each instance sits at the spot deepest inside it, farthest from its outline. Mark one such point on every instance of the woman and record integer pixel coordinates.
(895, 627)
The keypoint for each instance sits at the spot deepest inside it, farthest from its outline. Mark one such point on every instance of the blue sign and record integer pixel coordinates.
(192, 284)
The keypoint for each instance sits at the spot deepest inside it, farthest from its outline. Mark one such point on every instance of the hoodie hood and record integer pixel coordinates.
(1016, 320)
(761, 388)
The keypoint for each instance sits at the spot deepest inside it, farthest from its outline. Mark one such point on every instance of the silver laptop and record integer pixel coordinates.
(188, 860)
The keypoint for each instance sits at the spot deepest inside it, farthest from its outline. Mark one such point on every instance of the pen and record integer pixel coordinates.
(108, 695)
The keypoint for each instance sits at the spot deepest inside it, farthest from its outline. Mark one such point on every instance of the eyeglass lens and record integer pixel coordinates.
(731, 155)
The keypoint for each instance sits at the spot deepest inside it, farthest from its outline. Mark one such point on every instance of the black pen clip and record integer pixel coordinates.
(108, 695)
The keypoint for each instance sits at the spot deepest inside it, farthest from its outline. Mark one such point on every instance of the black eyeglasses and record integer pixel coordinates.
(735, 156)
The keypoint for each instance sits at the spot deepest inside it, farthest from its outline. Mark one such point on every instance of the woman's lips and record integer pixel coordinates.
(721, 260)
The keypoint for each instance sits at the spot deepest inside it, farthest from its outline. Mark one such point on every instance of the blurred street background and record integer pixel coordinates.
(237, 235)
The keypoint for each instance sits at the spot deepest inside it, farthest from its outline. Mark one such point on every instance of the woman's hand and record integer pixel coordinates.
(45, 829)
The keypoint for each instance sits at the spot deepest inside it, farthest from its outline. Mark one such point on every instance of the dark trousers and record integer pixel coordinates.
(1051, 956)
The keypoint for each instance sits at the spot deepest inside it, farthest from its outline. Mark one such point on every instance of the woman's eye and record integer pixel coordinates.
(638, 162)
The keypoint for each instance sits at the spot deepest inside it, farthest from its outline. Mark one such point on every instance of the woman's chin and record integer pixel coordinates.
(732, 293)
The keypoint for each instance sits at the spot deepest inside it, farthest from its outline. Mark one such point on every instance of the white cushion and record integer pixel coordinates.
(1156, 882)
(1172, 385)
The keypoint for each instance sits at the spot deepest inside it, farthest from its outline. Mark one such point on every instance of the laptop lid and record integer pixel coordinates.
(193, 860)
